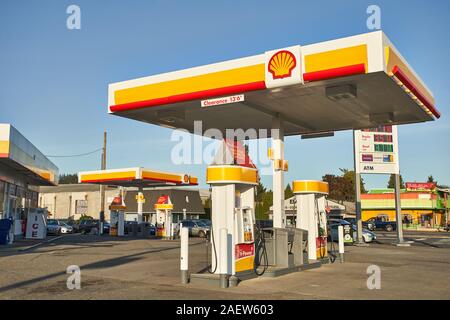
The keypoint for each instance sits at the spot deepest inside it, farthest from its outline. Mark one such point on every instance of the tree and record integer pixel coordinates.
(68, 178)
(431, 179)
(391, 182)
(350, 175)
(341, 189)
(288, 193)
(263, 207)
(260, 191)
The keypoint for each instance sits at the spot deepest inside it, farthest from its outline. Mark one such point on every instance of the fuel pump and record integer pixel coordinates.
(117, 217)
(311, 215)
(233, 178)
(164, 226)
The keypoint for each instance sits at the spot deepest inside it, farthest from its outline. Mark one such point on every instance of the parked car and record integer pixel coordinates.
(366, 224)
(65, 228)
(128, 227)
(382, 223)
(106, 227)
(333, 224)
(197, 228)
(264, 223)
(74, 224)
(57, 227)
(53, 227)
(205, 221)
(85, 226)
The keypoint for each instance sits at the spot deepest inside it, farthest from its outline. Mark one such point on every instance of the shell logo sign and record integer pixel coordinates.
(283, 67)
(281, 64)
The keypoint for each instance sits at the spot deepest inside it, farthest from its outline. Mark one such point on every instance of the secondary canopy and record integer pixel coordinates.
(136, 177)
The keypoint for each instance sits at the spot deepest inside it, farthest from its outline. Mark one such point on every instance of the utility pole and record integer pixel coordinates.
(102, 187)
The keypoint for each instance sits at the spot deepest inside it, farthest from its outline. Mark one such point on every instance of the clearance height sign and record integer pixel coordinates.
(376, 150)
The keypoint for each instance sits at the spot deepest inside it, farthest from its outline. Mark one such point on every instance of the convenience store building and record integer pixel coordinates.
(422, 204)
(23, 168)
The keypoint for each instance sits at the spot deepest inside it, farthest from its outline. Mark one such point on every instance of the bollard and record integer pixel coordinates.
(184, 262)
(223, 258)
(341, 242)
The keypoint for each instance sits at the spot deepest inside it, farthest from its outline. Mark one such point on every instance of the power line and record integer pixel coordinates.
(75, 155)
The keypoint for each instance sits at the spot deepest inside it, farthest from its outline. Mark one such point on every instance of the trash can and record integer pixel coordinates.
(5, 226)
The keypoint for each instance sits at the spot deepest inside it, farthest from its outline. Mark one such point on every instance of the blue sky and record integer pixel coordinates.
(53, 81)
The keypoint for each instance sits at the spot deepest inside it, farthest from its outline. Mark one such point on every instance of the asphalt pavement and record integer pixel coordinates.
(126, 268)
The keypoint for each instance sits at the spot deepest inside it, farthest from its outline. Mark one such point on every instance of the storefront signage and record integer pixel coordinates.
(376, 150)
(81, 207)
(36, 225)
(420, 186)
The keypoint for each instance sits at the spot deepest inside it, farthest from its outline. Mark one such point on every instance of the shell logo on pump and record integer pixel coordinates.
(281, 64)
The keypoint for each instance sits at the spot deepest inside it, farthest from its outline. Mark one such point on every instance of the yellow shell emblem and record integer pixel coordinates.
(281, 64)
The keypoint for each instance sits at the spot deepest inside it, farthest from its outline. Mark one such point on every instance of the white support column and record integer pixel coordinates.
(306, 221)
(184, 255)
(222, 217)
(279, 217)
(140, 205)
(341, 242)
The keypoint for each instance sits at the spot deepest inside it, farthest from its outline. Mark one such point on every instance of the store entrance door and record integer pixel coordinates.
(12, 208)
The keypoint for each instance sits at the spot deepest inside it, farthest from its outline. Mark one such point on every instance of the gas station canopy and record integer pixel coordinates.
(349, 83)
(136, 177)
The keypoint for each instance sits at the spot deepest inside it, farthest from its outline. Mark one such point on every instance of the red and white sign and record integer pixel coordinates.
(420, 185)
(244, 250)
(221, 101)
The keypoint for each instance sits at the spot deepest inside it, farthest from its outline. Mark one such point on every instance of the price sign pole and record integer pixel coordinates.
(359, 238)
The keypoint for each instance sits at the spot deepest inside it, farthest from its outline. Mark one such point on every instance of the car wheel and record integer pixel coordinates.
(389, 228)
(202, 234)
